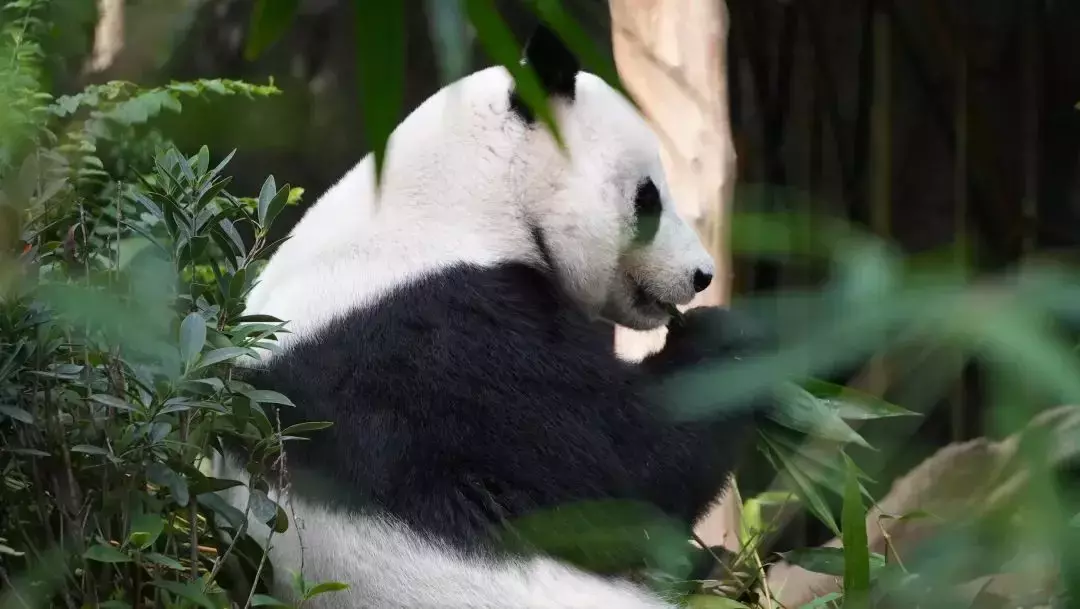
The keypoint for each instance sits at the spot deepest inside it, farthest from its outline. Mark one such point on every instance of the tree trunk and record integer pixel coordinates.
(672, 58)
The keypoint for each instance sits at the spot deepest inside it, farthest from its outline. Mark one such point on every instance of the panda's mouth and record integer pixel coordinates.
(649, 304)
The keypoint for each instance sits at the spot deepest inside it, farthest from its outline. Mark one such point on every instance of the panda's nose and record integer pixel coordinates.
(702, 279)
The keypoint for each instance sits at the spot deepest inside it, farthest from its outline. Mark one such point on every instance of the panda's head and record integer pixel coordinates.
(603, 214)
(472, 178)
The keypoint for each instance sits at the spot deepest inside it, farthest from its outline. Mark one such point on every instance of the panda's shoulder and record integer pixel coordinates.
(461, 317)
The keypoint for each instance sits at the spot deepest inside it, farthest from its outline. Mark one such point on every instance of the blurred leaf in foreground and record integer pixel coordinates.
(380, 60)
(269, 21)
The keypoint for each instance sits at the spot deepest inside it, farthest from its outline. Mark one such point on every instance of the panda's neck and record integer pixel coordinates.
(349, 250)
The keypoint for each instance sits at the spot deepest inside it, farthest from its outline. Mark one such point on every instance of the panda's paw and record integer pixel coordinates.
(711, 333)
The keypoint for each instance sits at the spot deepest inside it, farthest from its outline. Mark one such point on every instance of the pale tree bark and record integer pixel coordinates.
(671, 56)
(108, 36)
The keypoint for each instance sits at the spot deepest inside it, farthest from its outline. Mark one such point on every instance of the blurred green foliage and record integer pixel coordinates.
(123, 269)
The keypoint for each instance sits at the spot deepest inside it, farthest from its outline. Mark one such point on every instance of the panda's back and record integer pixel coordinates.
(465, 397)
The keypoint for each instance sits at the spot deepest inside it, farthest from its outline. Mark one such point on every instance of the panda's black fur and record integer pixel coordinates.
(476, 395)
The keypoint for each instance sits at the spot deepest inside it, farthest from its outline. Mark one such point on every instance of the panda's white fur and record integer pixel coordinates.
(469, 185)
(475, 182)
(389, 566)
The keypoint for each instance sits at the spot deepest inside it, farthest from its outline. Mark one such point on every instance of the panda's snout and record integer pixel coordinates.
(702, 279)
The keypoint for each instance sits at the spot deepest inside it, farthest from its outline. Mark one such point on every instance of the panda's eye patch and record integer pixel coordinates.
(647, 208)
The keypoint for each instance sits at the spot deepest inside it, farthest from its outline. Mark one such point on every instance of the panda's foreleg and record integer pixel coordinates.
(692, 458)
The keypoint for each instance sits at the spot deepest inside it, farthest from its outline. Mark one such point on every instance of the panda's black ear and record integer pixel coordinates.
(554, 63)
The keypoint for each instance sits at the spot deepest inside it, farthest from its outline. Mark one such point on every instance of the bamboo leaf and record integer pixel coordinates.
(380, 48)
(851, 403)
(856, 550)
(452, 37)
(498, 41)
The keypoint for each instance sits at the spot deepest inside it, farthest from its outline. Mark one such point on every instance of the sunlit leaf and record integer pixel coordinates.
(324, 587)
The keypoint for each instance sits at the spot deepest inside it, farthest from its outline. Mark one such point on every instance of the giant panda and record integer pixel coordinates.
(454, 322)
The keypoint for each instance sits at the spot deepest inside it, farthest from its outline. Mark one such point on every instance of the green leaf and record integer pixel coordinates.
(801, 411)
(276, 204)
(202, 160)
(223, 354)
(452, 37)
(851, 403)
(17, 413)
(827, 560)
(192, 337)
(856, 550)
(208, 484)
(234, 517)
(270, 19)
(554, 14)
(165, 561)
(787, 468)
(821, 601)
(606, 536)
(262, 600)
(266, 396)
(90, 450)
(281, 521)
(162, 475)
(262, 507)
(292, 430)
(380, 47)
(709, 601)
(500, 45)
(186, 590)
(106, 553)
(145, 529)
(266, 195)
(323, 588)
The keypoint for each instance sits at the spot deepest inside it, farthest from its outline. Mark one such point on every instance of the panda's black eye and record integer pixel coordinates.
(647, 208)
